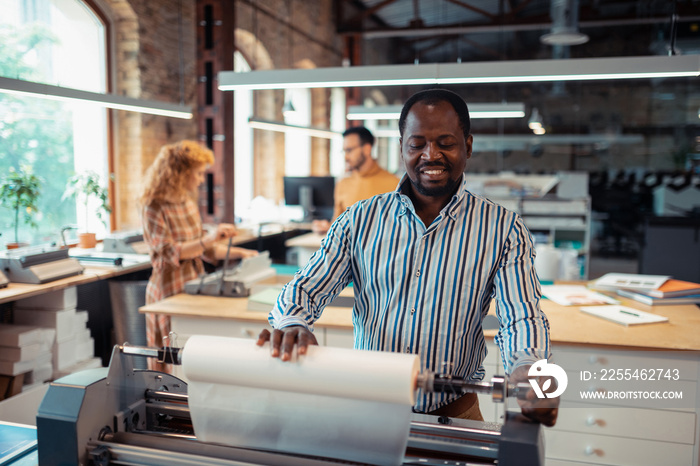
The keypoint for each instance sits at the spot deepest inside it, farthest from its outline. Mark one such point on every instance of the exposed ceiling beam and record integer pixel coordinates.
(490, 51)
(358, 18)
(518, 26)
(473, 8)
(517, 9)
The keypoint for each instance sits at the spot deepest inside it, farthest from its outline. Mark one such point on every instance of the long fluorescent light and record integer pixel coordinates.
(282, 127)
(117, 102)
(466, 73)
(476, 110)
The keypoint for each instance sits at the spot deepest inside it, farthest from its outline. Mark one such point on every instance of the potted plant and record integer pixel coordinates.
(82, 187)
(20, 190)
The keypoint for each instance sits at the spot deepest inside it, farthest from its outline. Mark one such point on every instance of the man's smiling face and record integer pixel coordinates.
(434, 149)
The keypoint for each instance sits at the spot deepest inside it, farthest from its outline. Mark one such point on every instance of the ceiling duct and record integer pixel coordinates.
(564, 14)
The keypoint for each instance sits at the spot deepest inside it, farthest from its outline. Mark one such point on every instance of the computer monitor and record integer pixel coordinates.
(313, 193)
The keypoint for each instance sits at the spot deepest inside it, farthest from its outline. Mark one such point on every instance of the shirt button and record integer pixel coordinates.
(408, 349)
(413, 310)
(418, 274)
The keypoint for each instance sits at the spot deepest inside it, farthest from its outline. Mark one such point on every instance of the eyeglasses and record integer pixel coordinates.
(350, 149)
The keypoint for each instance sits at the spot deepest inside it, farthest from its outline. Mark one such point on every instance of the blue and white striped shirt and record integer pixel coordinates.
(425, 290)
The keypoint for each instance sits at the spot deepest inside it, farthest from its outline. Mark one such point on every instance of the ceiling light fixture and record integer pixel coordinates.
(564, 31)
(117, 102)
(535, 121)
(476, 111)
(281, 127)
(575, 69)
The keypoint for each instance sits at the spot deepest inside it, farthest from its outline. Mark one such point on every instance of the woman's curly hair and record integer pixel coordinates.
(166, 179)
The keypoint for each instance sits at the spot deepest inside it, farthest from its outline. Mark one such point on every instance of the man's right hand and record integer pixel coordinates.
(282, 341)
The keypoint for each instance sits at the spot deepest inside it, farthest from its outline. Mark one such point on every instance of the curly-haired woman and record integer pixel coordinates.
(172, 228)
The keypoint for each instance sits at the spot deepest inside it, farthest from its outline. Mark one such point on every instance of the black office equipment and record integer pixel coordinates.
(314, 193)
(671, 246)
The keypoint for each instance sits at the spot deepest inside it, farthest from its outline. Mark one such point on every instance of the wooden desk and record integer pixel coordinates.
(213, 315)
(92, 273)
(568, 325)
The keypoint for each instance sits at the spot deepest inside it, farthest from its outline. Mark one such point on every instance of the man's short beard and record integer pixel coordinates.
(358, 163)
(437, 191)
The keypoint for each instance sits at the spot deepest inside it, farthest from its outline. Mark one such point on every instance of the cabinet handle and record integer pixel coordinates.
(593, 359)
(591, 421)
(589, 450)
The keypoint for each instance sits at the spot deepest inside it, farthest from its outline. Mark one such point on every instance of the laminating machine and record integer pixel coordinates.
(129, 242)
(236, 281)
(119, 415)
(38, 264)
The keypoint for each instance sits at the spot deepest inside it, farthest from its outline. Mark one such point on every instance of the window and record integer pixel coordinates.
(38, 42)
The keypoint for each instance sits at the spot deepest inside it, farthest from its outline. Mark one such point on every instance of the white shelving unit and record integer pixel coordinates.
(563, 223)
(556, 208)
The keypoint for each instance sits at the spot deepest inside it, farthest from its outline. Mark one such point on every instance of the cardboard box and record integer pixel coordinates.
(59, 300)
(83, 335)
(10, 385)
(43, 358)
(81, 318)
(20, 353)
(63, 321)
(19, 335)
(40, 374)
(64, 354)
(16, 367)
(84, 350)
(48, 338)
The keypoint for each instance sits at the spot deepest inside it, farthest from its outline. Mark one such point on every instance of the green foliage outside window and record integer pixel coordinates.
(19, 191)
(36, 133)
(84, 186)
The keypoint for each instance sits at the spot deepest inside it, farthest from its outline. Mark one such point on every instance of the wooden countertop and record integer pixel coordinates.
(568, 324)
(92, 273)
(308, 240)
(215, 307)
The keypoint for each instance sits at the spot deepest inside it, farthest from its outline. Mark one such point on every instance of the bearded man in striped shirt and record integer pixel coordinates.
(426, 261)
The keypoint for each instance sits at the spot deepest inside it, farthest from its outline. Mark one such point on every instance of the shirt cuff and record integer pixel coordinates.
(522, 358)
(289, 321)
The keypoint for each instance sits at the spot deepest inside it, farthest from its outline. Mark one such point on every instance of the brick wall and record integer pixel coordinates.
(155, 43)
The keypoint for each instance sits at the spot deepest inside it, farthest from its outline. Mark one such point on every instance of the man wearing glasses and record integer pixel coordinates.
(366, 178)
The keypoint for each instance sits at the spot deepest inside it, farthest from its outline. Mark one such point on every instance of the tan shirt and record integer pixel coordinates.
(356, 188)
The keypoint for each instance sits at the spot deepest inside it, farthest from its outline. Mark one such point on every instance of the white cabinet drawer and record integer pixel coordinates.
(608, 450)
(658, 425)
(577, 359)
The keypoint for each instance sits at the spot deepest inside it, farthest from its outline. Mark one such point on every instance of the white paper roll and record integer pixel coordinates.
(332, 402)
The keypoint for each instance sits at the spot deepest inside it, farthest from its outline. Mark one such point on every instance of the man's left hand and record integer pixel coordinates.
(542, 410)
